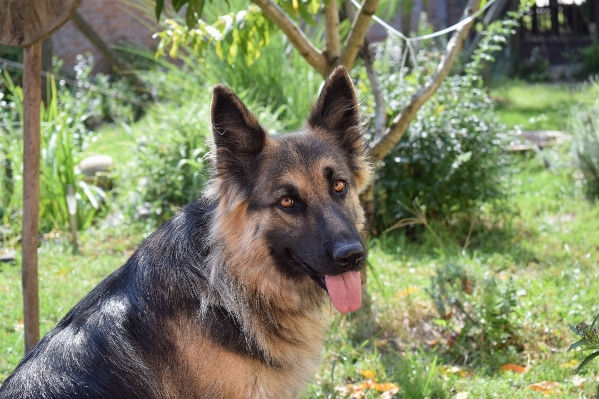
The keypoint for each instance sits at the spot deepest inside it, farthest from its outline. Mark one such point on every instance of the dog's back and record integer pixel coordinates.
(117, 341)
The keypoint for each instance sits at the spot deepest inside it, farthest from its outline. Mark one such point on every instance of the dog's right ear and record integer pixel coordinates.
(238, 137)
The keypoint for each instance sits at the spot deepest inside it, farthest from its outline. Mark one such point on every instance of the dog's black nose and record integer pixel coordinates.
(348, 254)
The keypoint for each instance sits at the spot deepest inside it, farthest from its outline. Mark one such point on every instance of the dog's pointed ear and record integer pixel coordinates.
(238, 137)
(337, 107)
(336, 112)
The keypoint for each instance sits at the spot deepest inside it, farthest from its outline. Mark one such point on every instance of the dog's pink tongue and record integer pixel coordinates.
(345, 291)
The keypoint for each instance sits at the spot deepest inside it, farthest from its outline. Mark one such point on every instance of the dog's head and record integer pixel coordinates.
(294, 198)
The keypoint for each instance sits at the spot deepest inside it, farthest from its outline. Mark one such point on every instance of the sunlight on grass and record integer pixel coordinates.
(540, 106)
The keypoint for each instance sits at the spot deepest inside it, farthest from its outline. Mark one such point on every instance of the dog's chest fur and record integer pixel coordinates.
(210, 370)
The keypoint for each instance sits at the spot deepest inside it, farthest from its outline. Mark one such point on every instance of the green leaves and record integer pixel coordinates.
(589, 341)
(159, 8)
(192, 14)
(194, 11)
(245, 32)
(306, 9)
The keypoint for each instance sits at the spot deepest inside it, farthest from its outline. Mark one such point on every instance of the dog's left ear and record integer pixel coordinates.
(336, 111)
(337, 107)
(238, 137)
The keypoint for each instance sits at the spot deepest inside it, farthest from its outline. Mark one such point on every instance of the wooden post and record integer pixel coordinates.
(31, 189)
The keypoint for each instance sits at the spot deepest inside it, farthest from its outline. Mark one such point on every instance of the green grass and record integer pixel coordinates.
(540, 106)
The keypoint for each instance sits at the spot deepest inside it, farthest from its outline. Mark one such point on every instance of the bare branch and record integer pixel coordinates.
(368, 57)
(358, 30)
(396, 130)
(379, 101)
(301, 43)
(331, 15)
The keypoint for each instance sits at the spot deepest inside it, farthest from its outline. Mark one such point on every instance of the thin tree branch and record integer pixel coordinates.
(396, 130)
(379, 101)
(358, 30)
(368, 57)
(301, 43)
(331, 16)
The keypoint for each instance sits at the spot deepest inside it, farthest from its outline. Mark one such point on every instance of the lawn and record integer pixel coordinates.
(536, 257)
(540, 106)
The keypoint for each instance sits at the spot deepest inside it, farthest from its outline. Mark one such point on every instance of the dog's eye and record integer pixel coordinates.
(339, 186)
(286, 202)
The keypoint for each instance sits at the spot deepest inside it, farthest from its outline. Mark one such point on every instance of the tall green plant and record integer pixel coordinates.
(61, 137)
(278, 77)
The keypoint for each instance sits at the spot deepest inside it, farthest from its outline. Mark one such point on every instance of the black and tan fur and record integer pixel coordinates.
(225, 299)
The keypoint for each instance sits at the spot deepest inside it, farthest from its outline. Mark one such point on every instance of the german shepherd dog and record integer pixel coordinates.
(226, 299)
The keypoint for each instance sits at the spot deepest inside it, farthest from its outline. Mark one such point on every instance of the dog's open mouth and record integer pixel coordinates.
(345, 289)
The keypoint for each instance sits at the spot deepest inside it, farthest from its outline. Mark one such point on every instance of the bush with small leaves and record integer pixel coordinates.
(451, 158)
(477, 314)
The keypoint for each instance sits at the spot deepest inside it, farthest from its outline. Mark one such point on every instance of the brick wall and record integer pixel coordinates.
(114, 21)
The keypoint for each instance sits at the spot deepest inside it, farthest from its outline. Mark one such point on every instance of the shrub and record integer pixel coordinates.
(534, 68)
(451, 158)
(169, 167)
(479, 313)
(584, 128)
(589, 60)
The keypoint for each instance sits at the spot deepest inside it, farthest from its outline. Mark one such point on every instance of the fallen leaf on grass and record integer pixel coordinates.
(381, 342)
(386, 387)
(368, 374)
(357, 391)
(514, 368)
(546, 387)
(19, 325)
(578, 381)
(462, 395)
